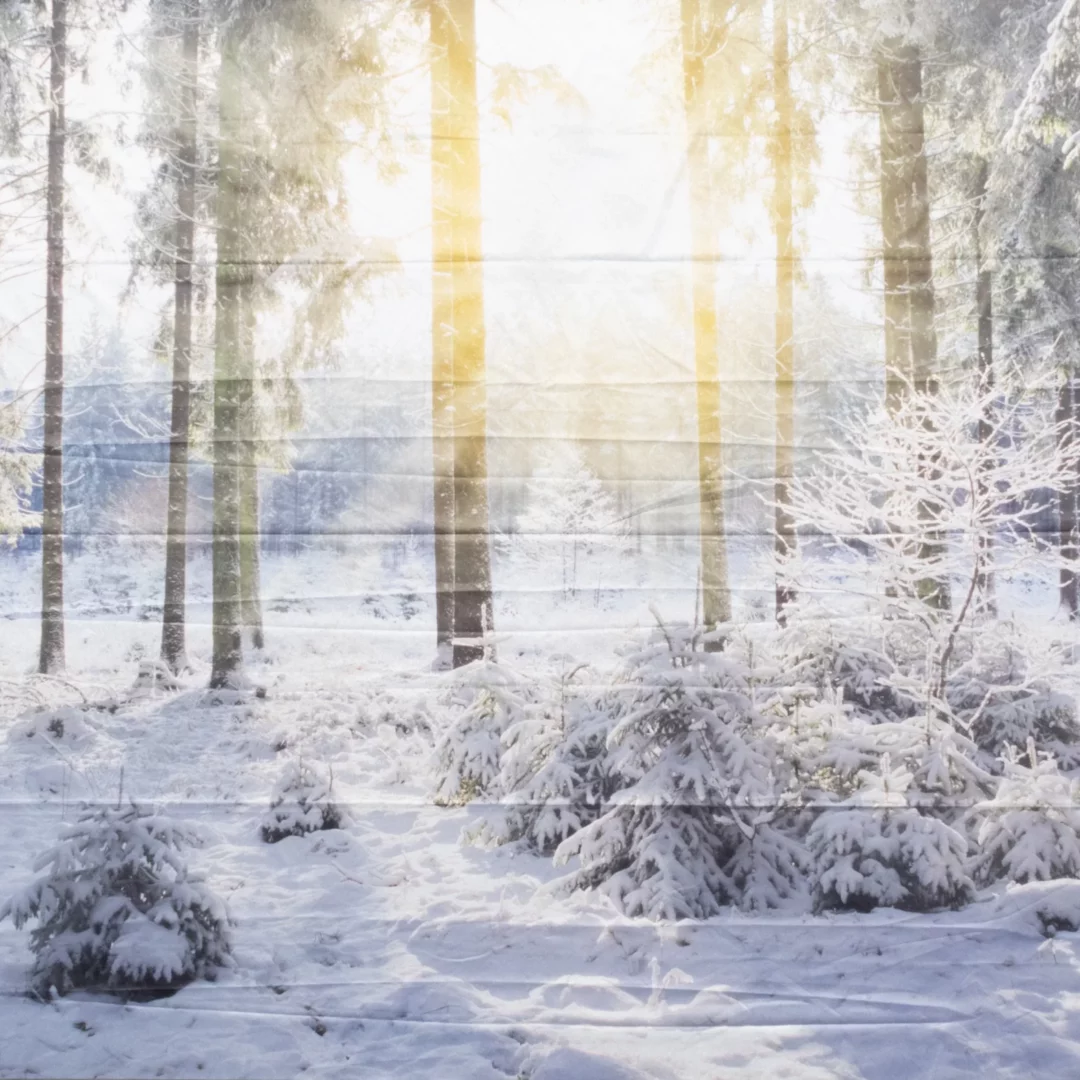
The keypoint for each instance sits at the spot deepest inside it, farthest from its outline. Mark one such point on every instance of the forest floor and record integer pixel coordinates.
(391, 948)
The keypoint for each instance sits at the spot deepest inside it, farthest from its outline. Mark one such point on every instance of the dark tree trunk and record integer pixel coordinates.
(442, 330)
(250, 532)
(1068, 541)
(173, 649)
(984, 307)
(472, 557)
(785, 300)
(51, 657)
(698, 42)
(910, 335)
(232, 277)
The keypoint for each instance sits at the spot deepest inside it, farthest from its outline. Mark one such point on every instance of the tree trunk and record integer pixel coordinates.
(984, 305)
(231, 280)
(173, 649)
(910, 336)
(472, 557)
(250, 533)
(785, 300)
(249, 528)
(442, 331)
(697, 42)
(1068, 540)
(51, 656)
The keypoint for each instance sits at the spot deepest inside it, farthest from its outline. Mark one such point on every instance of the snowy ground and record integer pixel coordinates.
(391, 949)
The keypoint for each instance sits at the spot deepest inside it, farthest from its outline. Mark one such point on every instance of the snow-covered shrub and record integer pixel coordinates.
(64, 724)
(301, 804)
(698, 786)
(117, 908)
(1030, 830)
(875, 850)
(1004, 691)
(154, 676)
(486, 697)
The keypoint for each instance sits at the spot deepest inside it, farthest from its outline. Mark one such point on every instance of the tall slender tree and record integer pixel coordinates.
(442, 331)
(453, 34)
(783, 220)
(700, 38)
(232, 278)
(173, 647)
(51, 655)
(910, 334)
(249, 527)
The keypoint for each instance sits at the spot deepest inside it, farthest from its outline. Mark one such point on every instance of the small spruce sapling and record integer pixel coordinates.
(301, 804)
(488, 698)
(118, 910)
(1030, 830)
(691, 826)
(874, 850)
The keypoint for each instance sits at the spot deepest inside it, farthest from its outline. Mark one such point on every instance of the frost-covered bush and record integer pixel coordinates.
(1030, 830)
(939, 493)
(117, 908)
(485, 699)
(154, 676)
(301, 804)
(692, 822)
(875, 850)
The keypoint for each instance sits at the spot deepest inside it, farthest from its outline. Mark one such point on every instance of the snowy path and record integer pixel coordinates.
(391, 950)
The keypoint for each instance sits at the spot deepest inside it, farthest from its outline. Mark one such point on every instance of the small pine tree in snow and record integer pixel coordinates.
(874, 850)
(569, 517)
(117, 908)
(1030, 830)
(690, 826)
(301, 804)
(487, 698)
(554, 768)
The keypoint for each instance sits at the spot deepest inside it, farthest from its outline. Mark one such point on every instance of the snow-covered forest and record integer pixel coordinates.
(539, 539)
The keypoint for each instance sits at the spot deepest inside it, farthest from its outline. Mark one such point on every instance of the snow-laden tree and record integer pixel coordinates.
(485, 699)
(918, 501)
(876, 850)
(570, 523)
(699, 782)
(1030, 829)
(553, 769)
(301, 803)
(117, 908)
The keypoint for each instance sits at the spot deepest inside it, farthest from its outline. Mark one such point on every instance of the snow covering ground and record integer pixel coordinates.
(392, 949)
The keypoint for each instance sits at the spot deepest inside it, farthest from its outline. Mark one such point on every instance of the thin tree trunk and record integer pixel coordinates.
(785, 301)
(231, 281)
(472, 557)
(984, 304)
(442, 331)
(250, 533)
(51, 657)
(697, 41)
(1068, 540)
(173, 649)
(910, 336)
